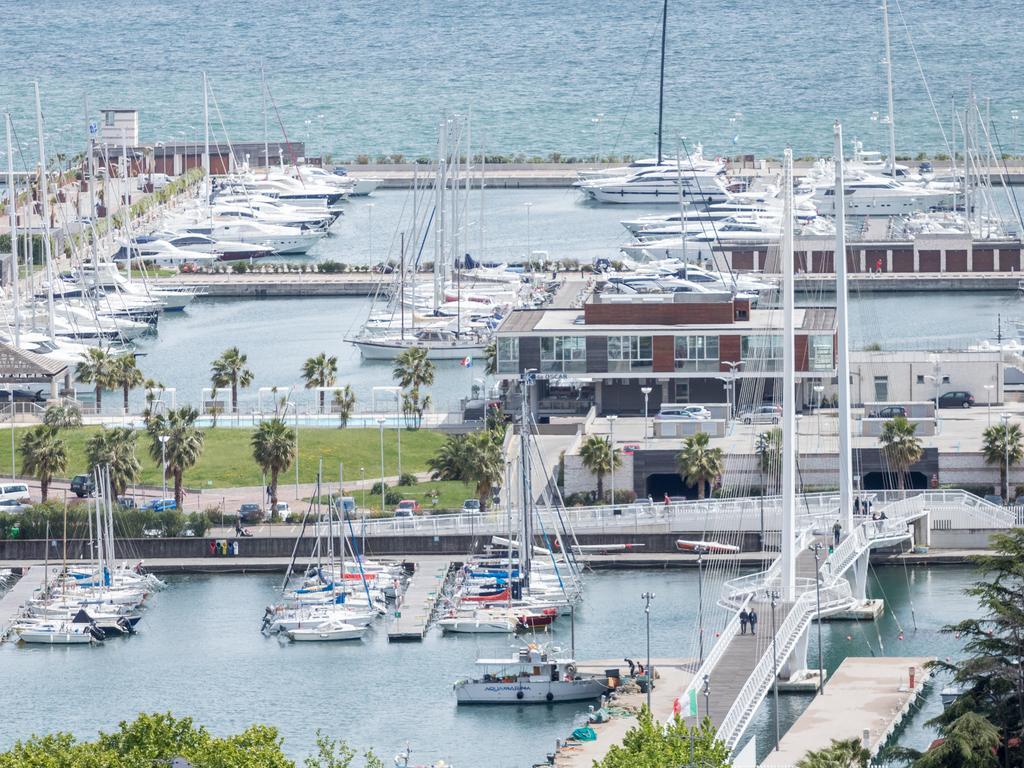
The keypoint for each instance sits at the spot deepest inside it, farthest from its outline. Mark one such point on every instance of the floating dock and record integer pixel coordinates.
(411, 616)
(10, 604)
(865, 699)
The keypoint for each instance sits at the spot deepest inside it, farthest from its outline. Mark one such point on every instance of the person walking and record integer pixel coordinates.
(837, 532)
(752, 618)
(744, 618)
(856, 505)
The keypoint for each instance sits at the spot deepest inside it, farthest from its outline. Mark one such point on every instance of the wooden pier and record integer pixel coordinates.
(10, 604)
(865, 699)
(411, 616)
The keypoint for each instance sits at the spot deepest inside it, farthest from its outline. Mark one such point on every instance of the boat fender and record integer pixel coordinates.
(550, 696)
(571, 669)
(519, 694)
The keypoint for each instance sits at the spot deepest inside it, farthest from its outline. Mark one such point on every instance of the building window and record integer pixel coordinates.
(563, 354)
(697, 353)
(881, 389)
(920, 378)
(682, 391)
(945, 379)
(761, 353)
(820, 353)
(109, 118)
(630, 353)
(508, 355)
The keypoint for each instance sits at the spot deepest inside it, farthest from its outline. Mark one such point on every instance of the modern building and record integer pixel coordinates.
(118, 126)
(686, 347)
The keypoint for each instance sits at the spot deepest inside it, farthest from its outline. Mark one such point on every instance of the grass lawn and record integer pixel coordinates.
(227, 455)
(450, 495)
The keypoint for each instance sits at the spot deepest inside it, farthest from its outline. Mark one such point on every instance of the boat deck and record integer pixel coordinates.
(411, 617)
(866, 698)
(18, 595)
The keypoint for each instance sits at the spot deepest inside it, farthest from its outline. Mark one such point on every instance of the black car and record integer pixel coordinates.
(82, 486)
(958, 399)
(890, 412)
(23, 396)
(250, 513)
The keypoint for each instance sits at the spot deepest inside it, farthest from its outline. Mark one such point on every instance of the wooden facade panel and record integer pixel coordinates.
(728, 349)
(822, 262)
(930, 261)
(529, 353)
(983, 260)
(956, 261)
(1009, 259)
(875, 259)
(597, 354)
(742, 259)
(664, 348)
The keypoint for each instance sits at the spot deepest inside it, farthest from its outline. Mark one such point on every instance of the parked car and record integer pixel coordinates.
(284, 512)
(890, 412)
(23, 396)
(15, 492)
(682, 411)
(630, 448)
(763, 414)
(407, 508)
(160, 505)
(82, 486)
(14, 506)
(127, 502)
(959, 399)
(250, 513)
(471, 507)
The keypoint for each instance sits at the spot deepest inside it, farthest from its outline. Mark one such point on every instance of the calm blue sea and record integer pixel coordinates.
(577, 77)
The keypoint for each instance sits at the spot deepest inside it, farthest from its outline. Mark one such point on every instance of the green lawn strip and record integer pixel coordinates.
(450, 495)
(227, 455)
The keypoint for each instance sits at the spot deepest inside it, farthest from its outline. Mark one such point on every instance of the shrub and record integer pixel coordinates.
(407, 478)
(239, 267)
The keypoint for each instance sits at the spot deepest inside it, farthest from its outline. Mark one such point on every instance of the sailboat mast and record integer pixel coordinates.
(888, 81)
(439, 232)
(788, 556)
(12, 207)
(843, 340)
(92, 192)
(266, 134)
(207, 185)
(661, 79)
(44, 196)
(526, 503)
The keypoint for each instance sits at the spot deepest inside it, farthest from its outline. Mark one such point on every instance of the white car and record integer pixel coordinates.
(284, 512)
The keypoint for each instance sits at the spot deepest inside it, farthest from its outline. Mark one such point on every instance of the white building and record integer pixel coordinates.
(904, 377)
(119, 126)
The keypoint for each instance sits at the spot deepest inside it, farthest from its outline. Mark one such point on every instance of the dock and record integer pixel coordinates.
(673, 675)
(10, 604)
(411, 616)
(866, 698)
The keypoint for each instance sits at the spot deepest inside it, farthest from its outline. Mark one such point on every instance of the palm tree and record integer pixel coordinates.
(699, 463)
(491, 358)
(62, 417)
(1003, 446)
(768, 450)
(344, 403)
(484, 464)
(901, 447)
(230, 369)
(115, 449)
(183, 447)
(125, 373)
(599, 457)
(320, 371)
(43, 455)
(413, 404)
(97, 369)
(848, 753)
(273, 447)
(413, 369)
(451, 460)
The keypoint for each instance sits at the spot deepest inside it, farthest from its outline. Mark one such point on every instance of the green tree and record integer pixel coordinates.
(62, 417)
(414, 405)
(846, 753)
(699, 463)
(273, 448)
(484, 464)
(491, 358)
(43, 455)
(183, 447)
(968, 741)
(1003, 444)
(413, 368)
(344, 403)
(768, 450)
(97, 369)
(901, 447)
(451, 460)
(649, 744)
(231, 369)
(115, 449)
(599, 457)
(320, 371)
(125, 373)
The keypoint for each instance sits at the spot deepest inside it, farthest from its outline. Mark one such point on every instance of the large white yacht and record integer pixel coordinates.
(704, 184)
(871, 195)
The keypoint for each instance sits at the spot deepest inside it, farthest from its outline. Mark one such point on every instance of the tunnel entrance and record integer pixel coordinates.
(886, 481)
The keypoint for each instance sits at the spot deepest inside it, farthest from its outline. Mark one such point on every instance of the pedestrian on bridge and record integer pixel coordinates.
(837, 532)
(744, 618)
(752, 618)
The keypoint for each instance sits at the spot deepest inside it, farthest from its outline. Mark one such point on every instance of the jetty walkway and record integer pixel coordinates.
(32, 578)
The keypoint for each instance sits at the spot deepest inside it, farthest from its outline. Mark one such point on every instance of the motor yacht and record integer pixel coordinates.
(534, 676)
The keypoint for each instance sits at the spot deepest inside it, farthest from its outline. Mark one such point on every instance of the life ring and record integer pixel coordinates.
(519, 694)
(570, 668)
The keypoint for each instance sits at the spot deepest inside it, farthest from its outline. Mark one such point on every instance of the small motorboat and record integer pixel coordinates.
(532, 677)
(58, 633)
(478, 624)
(329, 630)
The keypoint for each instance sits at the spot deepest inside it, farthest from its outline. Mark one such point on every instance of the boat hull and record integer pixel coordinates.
(547, 692)
(386, 350)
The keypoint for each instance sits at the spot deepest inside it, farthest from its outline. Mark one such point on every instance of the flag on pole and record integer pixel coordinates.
(692, 703)
(466, 362)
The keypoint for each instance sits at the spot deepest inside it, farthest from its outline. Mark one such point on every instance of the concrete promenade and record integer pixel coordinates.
(10, 603)
(865, 699)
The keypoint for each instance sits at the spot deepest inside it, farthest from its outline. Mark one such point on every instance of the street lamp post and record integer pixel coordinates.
(707, 696)
(647, 392)
(732, 365)
(380, 421)
(647, 597)
(611, 440)
(988, 403)
(163, 460)
(819, 390)
(1005, 418)
(773, 595)
(816, 549)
